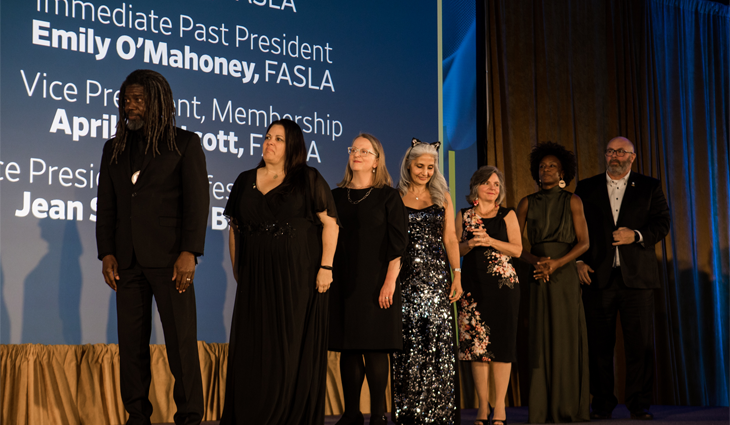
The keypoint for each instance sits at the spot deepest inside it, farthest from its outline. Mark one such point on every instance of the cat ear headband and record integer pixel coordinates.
(415, 142)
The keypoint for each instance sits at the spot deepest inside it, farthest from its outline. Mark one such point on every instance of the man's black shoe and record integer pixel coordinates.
(642, 415)
(598, 416)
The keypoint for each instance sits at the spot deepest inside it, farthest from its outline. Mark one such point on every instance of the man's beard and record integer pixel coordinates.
(618, 169)
(135, 125)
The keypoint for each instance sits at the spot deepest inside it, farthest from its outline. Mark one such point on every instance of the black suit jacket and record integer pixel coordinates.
(163, 214)
(643, 208)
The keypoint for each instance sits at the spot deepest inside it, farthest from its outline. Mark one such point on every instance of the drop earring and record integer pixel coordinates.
(476, 202)
(561, 183)
(373, 170)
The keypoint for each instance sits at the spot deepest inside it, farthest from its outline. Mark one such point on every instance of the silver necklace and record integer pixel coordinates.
(414, 194)
(359, 200)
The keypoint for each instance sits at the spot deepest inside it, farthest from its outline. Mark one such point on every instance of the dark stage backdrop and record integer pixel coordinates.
(338, 68)
(656, 71)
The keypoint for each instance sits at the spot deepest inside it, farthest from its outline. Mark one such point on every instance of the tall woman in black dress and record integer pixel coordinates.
(365, 302)
(558, 234)
(282, 241)
(490, 236)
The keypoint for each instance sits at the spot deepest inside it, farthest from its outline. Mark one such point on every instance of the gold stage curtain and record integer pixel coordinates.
(79, 384)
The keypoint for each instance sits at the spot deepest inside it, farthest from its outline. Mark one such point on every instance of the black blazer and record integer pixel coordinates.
(643, 208)
(163, 214)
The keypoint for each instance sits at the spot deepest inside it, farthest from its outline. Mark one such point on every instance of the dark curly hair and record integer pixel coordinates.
(566, 158)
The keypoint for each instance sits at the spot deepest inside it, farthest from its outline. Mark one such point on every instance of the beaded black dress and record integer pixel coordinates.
(277, 360)
(424, 374)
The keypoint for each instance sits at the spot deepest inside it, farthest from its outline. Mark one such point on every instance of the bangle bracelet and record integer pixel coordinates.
(458, 269)
(325, 267)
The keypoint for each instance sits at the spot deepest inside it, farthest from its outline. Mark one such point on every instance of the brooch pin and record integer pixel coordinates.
(633, 184)
(135, 176)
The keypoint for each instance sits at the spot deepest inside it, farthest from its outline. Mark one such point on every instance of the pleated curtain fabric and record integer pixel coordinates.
(79, 384)
(655, 71)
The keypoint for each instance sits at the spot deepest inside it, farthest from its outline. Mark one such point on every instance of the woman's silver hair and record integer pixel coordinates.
(481, 176)
(437, 186)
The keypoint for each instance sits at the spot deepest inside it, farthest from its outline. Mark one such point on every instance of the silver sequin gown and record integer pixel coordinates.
(424, 373)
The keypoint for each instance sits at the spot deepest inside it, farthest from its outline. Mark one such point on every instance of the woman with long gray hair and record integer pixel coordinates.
(424, 373)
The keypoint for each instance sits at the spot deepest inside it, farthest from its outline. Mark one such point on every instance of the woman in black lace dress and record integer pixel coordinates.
(425, 382)
(282, 242)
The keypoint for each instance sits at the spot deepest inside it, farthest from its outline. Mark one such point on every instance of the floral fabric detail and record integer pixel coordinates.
(471, 223)
(498, 265)
(473, 333)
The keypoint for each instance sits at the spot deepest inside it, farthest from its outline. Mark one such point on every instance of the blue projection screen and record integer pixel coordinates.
(337, 68)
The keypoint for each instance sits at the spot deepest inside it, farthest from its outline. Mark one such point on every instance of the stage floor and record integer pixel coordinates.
(676, 415)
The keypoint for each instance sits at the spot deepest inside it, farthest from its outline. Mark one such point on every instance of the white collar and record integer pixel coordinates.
(623, 179)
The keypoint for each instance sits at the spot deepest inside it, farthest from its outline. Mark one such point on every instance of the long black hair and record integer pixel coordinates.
(159, 117)
(295, 151)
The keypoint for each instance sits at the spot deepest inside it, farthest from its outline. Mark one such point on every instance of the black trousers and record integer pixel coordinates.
(135, 289)
(637, 315)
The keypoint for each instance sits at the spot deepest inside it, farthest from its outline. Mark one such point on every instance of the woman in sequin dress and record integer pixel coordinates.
(425, 381)
(282, 241)
(365, 302)
(490, 236)
(558, 234)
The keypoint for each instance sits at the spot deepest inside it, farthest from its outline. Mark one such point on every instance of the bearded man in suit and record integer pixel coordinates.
(152, 213)
(627, 215)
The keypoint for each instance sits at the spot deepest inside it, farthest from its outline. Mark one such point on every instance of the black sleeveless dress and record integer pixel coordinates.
(559, 386)
(491, 301)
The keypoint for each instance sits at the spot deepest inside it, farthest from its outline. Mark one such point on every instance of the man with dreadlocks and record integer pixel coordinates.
(151, 219)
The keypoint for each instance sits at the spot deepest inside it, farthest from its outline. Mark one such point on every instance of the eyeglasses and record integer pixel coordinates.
(620, 153)
(363, 152)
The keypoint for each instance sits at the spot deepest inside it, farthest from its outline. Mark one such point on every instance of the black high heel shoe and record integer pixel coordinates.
(488, 419)
(356, 419)
(378, 420)
(499, 421)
